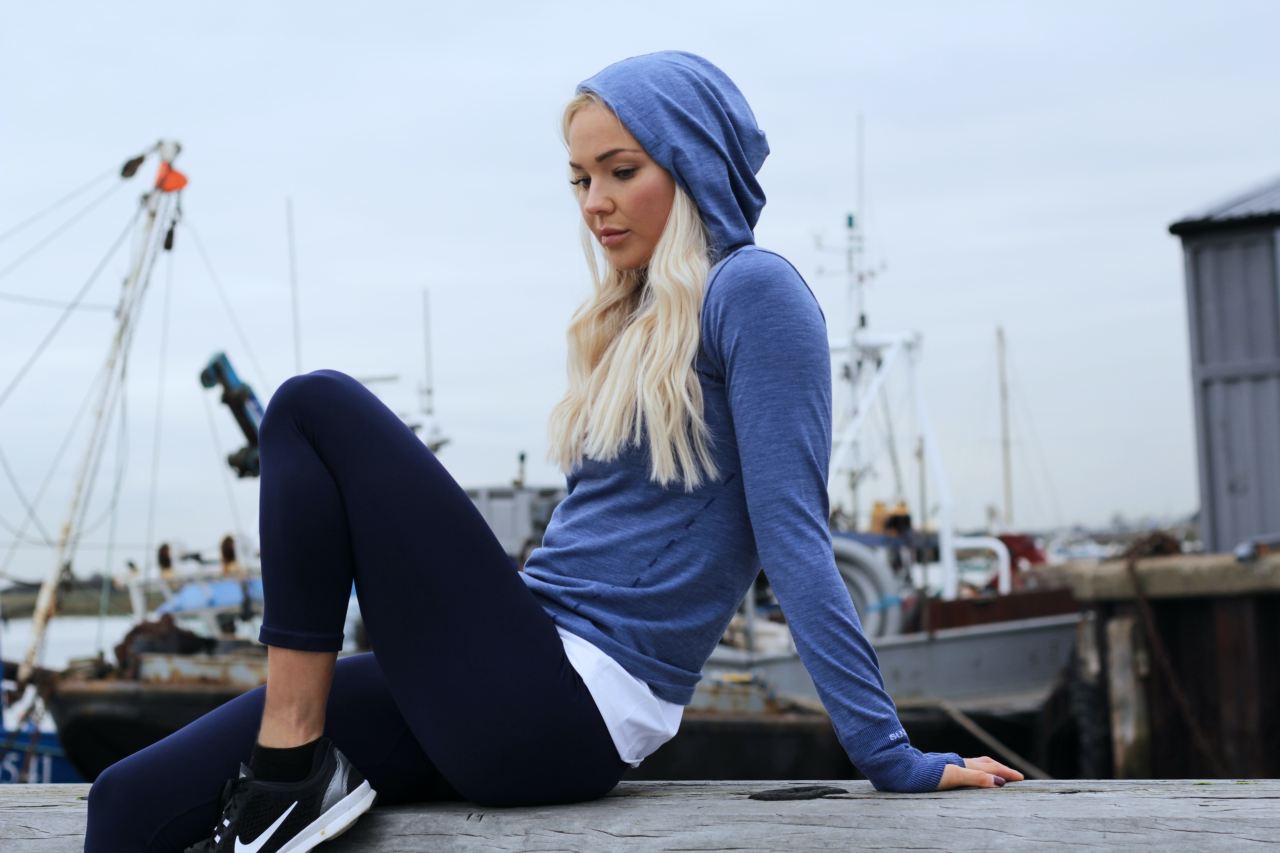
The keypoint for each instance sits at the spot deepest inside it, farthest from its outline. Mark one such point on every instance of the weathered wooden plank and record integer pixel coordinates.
(706, 816)
(1238, 690)
(1126, 691)
(1176, 576)
(42, 818)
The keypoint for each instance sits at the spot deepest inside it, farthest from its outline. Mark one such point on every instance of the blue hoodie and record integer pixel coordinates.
(652, 575)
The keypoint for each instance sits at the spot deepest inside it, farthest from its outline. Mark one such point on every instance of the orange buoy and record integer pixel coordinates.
(169, 179)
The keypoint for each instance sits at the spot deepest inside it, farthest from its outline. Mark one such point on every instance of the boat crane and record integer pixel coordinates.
(245, 408)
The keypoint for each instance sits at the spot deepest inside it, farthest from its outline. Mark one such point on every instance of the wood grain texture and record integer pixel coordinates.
(709, 816)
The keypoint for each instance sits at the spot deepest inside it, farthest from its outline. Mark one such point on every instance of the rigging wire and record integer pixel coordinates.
(160, 239)
(53, 466)
(122, 464)
(22, 498)
(116, 391)
(101, 387)
(59, 231)
(48, 338)
(226, 303)
(1020, 397)
(104, 377)
(111, 396)
(891, 444)
(35, 217)
(96, 524)
(54, 303)
(86, 546)
(14, 531)
(221, 457)
(97, 449)
(155, 442)
(88, 528)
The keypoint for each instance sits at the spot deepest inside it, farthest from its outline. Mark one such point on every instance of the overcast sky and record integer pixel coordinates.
(1023, 162)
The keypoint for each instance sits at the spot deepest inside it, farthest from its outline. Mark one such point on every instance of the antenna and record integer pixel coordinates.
(435, 439)
(856, 225)
(861, 355)
(1004, 431)
(862, 211)
(293, 285)
(857, 309)
(427, 390)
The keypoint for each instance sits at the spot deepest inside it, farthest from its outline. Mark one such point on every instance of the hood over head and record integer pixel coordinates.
(693, 121)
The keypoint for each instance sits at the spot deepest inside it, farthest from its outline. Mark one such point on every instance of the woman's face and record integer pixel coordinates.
(624, 196)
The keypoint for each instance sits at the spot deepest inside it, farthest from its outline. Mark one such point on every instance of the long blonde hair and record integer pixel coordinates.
(632, 347)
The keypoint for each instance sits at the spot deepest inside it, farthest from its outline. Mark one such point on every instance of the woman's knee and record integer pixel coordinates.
(306, 393)
(116, 801)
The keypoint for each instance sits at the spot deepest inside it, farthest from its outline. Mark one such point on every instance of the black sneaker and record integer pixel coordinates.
(290, 817)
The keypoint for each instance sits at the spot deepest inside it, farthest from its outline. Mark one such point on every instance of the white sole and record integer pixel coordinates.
(335, 821)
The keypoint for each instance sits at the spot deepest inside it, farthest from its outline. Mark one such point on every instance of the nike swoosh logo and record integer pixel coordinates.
(241, 847)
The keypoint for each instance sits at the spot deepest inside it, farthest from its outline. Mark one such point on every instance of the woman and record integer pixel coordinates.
(695, 434)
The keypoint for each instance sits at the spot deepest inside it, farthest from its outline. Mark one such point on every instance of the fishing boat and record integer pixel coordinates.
(179, 661)
(29, 750)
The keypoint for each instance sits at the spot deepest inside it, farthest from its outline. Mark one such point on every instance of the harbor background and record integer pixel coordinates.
(1022, 164)
(1011, 169)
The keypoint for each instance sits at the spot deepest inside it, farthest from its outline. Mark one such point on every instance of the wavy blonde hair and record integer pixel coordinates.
(632, 347)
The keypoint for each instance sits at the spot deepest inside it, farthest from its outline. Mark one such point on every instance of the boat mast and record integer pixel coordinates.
(131, 293)
(435, 439)
(858, 316)
(1007, 463)
(293, 287)
(427, 389)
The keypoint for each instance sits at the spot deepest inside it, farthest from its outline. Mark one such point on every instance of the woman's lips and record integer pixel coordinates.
(612, 237)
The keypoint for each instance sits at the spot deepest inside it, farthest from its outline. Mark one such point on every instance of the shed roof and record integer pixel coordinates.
(1260, 205)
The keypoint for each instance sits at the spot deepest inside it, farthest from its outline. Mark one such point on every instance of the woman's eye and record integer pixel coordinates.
(625, 173)
(582, 182)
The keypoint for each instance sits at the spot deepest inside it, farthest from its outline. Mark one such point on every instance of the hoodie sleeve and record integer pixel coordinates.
(766, 331)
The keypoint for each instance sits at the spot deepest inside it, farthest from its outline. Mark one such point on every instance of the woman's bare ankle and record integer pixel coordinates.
(285, 733)
(297, 694)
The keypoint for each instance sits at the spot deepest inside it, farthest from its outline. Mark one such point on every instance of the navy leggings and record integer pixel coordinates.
(467, 693)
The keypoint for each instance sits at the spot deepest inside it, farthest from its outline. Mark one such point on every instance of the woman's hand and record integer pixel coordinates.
(977, 773)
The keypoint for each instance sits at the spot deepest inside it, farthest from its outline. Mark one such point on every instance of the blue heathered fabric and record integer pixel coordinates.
(652, 575)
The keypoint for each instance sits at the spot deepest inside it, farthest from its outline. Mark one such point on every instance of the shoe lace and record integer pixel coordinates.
(234, 793)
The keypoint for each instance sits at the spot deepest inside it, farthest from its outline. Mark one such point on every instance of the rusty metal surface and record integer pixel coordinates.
(732, 692)
(241, 671)
(124, 688)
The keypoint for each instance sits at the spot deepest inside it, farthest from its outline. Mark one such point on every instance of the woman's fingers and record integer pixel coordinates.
(990, 765)
(965, 777)
(981, 772)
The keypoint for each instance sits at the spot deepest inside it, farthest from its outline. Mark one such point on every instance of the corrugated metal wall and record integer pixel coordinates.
(1233, 305)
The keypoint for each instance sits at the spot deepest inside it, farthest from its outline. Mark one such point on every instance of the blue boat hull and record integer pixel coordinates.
(48, 762)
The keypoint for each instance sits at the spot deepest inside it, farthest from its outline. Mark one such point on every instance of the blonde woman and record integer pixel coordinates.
(695, 434)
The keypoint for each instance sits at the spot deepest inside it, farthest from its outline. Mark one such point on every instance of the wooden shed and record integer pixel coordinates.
(1232, 263)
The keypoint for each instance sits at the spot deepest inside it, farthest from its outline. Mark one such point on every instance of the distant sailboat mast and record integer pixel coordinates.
(293, 287)
(856, 311)
(1006, 458)
(435, 439)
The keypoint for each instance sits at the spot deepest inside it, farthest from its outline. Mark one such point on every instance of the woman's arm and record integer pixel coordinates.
(767, 331)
